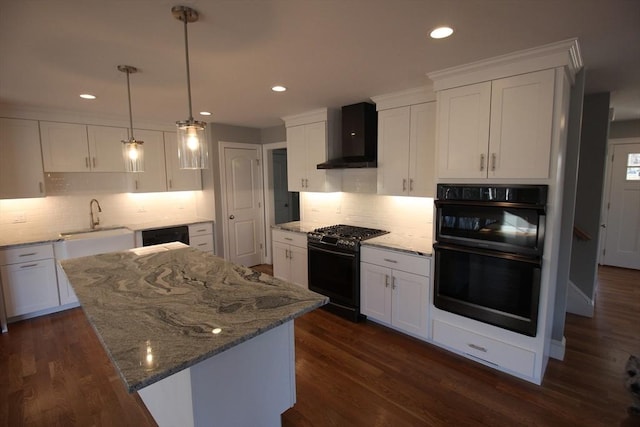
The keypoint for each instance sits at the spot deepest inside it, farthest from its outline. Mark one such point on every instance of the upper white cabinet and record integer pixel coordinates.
(20, 159)
(406, 149)
(69, 147)
(497, 129)
(154, 176)
(178, 179)
(310, 138)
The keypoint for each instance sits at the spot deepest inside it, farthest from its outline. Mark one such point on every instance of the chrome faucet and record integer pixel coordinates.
(94, 220)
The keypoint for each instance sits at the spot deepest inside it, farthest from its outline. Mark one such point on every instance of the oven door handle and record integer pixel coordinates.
(485, 204)
(504, 255)
(344, 254)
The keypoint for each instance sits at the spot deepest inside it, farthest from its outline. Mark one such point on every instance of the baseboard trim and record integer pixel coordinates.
(557, 349)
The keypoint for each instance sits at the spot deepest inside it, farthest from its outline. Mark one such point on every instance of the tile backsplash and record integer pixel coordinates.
(71, 212)
(411, 216)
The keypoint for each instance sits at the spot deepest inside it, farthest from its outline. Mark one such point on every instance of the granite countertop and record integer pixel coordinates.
(159, 312)
(19, 239)
(165, 223)
(298, 226)
(417, 245)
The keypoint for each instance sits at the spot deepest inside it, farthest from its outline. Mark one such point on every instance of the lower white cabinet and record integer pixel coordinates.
(201, 236)
(29, 281)
(394, 289)
(290, 257)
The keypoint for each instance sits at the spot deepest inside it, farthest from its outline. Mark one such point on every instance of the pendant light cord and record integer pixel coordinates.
(130, 114)
(186, 50)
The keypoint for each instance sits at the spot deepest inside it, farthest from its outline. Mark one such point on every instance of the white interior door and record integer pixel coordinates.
(622, 245)
(243, 196)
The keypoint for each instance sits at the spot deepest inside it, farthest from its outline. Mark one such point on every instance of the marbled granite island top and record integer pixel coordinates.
(159, 313)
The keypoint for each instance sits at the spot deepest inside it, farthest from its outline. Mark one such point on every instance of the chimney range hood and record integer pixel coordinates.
(359, 143)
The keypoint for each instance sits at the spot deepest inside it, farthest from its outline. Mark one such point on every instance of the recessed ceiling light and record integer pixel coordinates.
(278, 88)
(205, 113)
(87, 96)
(441, 32)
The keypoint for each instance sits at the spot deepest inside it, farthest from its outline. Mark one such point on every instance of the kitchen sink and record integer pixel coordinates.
(94, 233)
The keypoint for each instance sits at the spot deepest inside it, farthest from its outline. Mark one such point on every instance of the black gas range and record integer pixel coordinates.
(334, 266)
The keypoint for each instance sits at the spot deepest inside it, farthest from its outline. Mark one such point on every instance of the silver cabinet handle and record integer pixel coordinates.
(86, 162)
(393, 282)
(29, 265)
(170, 184)
(393, 261)
(306, 183)
(481, 162)
(29, 254)
(386, 280)
(493, 161)
(289, 239)
(202, 244)
(41, 187)
(404, 185)
(411, 184)
(94, 162)
(302, 182)
(201, 230)
(477, 347)
(136, 184)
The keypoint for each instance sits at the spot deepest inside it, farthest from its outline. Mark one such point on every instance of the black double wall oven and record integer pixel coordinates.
(488, 253)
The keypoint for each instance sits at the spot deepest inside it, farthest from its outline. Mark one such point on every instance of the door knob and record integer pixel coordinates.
(231, 217)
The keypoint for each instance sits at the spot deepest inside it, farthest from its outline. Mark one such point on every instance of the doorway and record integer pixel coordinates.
(281, 205)
(621, 244)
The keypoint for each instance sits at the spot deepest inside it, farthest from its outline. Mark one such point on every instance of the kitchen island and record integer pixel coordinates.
(203, 341)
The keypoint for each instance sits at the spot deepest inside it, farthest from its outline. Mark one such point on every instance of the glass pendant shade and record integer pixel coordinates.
(133, 155)
(132, 151)
(193, 148)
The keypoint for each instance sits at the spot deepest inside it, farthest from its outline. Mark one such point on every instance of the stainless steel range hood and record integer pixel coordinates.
(359, 143)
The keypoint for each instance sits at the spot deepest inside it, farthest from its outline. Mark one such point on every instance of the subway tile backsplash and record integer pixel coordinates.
(411, 216)
(71, 212)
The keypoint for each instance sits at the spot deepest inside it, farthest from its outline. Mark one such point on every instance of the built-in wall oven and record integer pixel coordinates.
(334, 266)
(488, 253)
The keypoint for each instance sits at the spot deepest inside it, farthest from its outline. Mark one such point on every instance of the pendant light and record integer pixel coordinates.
(193, 150)
(132, 151)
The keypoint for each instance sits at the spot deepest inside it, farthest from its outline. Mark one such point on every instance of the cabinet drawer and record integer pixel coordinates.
(396, 260)
(29, 287)
(200, 229)
(204, 242)
(26, 254)
(290, 237)
(496, 352)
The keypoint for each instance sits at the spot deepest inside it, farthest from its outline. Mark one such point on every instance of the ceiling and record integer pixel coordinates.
(328, 53)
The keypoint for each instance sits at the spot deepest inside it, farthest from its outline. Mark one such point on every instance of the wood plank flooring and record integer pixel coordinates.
(54, 372)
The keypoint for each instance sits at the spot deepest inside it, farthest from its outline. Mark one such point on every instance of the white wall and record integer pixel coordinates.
(402, 215)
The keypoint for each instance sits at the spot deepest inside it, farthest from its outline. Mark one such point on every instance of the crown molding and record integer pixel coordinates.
(565, 54)
(403, 98)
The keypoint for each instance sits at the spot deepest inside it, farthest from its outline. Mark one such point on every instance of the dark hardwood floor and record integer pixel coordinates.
(53, 371)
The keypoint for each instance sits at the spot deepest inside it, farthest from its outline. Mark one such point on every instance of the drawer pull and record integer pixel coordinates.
(477, 347)
(393, 261)
(201, 230)
(29, 254)
(202, 244)
(288, 238)
(29, 265)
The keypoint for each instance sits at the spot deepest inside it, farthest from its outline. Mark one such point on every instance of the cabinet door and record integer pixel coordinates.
(296, 158)
(105, 148)
(463, 131)
(281, 264)
(521, 122)
(422, 150)
(29, 287)
(179, 179)
(67, 295)
(299, 266)
(393, 151)
(375, 292)
(64, 147)
(410, 302)
(20, 159)
(154, 177)
(316, 152)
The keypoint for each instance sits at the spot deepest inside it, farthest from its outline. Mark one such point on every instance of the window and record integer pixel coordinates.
(633, 167)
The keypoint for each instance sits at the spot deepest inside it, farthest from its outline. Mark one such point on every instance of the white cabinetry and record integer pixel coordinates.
(201, 236)
(154, 177)
(28, 279)
(20, 159)
(310, 139)
(69, 147)
(179, 179)
(394, 289)
(290, 257)
(406, 149)
(497, 129)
